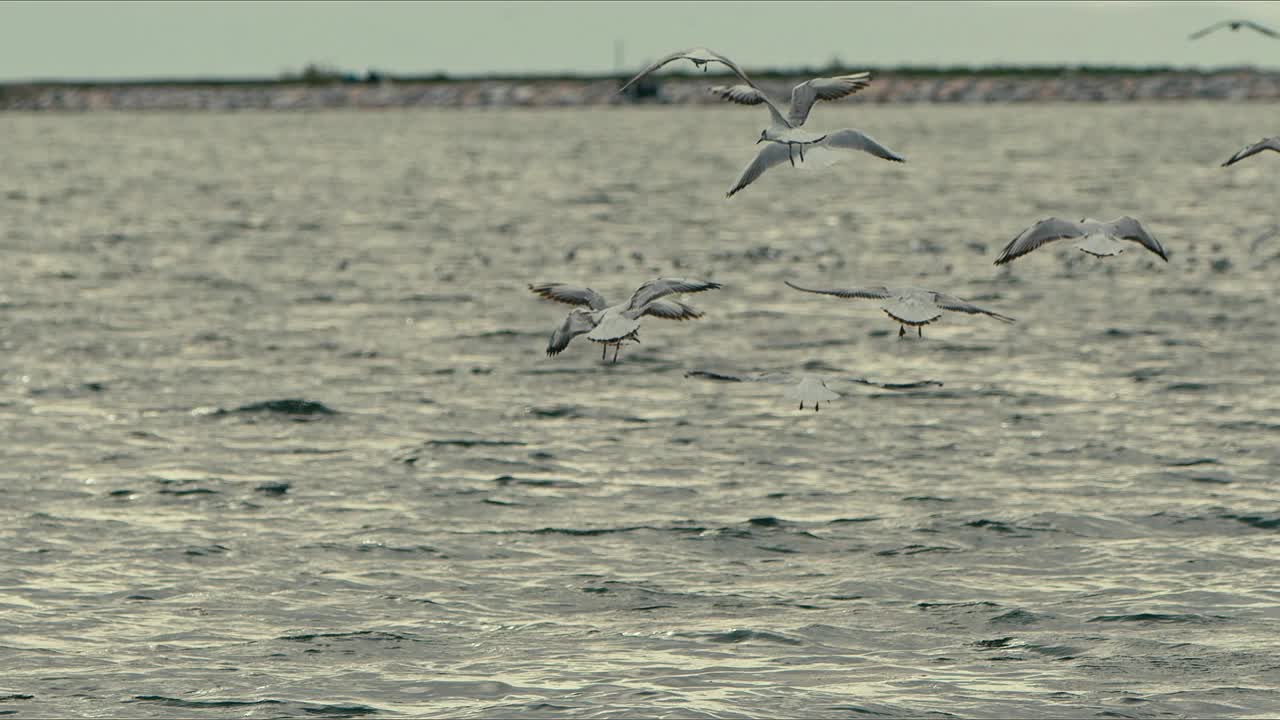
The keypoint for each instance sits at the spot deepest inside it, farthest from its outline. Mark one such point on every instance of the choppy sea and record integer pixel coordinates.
(279, 437)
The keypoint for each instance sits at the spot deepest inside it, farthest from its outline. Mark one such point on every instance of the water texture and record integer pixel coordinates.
(280, 439)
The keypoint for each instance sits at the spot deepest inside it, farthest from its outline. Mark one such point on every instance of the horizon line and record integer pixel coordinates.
(323, 75)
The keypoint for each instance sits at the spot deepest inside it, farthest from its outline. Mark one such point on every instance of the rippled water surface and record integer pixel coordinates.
(1081, 522)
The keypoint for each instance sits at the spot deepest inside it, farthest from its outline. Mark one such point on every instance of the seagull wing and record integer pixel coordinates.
(1261, 28)
(1130, 229)
(1271, 143)
(751, 95)
(672, 310)
(770, 155)
(950, 302)
(740, 94)
(855, 140)
(1201, 33)
(871, 293)
(578, 322)
(655, 65)
(1044, 231)
(804, 95)
(661, 287)
(570, 295)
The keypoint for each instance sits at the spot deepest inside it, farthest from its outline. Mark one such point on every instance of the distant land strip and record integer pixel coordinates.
(894, 85)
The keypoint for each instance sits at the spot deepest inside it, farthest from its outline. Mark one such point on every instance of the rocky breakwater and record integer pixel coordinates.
(888, 87)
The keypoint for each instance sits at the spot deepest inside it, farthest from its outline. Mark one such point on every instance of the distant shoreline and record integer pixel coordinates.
(897, 85)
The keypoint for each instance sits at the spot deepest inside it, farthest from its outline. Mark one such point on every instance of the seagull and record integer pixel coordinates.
(807, 388)
(700, 56)
(1235, 25)
(786, 129)
(803, 96)
(1271, 143)
(1100, 239)
(616, 324)
(908, 305)
(775, 154)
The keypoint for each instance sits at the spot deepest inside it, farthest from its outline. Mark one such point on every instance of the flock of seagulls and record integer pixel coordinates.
(787, 140)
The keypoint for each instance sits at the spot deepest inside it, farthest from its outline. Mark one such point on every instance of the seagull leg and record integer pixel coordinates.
(616, 348)
(919, 331)
(902, 330)
(801, 152)
(815, 406)
(603, 350)
(790, 154)
(801, 404)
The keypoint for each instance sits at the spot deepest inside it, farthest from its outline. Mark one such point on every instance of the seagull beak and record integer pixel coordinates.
(760, 141)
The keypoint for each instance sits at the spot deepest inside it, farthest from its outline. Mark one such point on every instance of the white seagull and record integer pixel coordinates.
(1100, 239)
(700, 57)
(616, 324)
(776, 154)
(910, 306)
(803, 96)
(807, 388)
(1271, 143)
(787, 127)
(1235, 25)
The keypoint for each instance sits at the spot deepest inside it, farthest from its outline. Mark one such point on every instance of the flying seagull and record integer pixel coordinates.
(775, 154)
(786, 130)
(803, 96)
(910, 306)
(1235, 25)
(1271, 143)
(700, 56)
(616, 324)
(807, 388)
(1101, 239)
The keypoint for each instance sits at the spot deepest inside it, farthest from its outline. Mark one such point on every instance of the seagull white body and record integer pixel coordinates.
(807, 388)
(617, 324)
(910, 306)
(1271, 143)
(1235, 26)
(1100, 239)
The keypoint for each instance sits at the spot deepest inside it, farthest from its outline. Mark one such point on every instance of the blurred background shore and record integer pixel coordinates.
(321, 88)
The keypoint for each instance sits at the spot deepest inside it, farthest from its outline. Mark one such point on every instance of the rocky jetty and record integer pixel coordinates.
(888, 87)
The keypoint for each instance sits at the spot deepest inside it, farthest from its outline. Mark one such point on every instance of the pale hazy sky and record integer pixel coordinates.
(51, 39)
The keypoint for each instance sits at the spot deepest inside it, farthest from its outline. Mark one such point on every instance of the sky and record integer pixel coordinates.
(167, 39)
